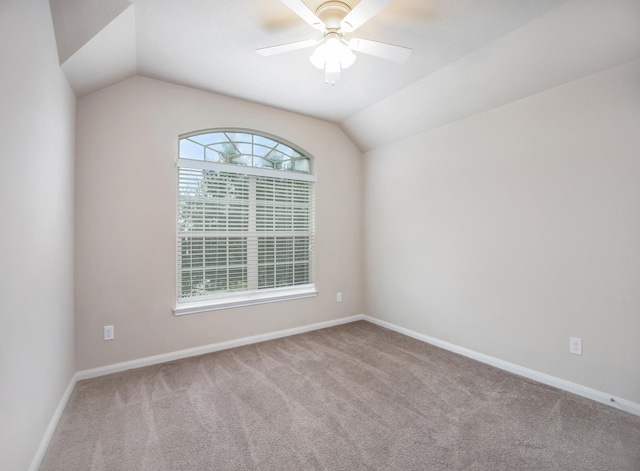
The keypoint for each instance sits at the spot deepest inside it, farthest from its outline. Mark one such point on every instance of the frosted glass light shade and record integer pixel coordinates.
(333, 51)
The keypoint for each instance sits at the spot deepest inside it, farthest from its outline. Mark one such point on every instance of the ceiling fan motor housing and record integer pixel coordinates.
(332, 13)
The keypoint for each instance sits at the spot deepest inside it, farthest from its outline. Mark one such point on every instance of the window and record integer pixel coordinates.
(245, 222)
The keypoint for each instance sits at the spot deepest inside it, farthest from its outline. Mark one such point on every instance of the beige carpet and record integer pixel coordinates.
(354, 397)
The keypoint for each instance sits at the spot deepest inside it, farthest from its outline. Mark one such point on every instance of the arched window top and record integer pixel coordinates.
(244, 148)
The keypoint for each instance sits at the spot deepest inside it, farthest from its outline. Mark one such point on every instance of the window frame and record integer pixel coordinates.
(231, 299)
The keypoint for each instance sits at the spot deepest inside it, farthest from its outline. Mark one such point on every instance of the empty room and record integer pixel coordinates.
(320, 235)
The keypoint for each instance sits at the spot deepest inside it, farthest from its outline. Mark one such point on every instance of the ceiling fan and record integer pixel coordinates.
(335, 19)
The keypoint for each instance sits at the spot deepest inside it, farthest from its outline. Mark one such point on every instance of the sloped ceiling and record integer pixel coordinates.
(468, 55)
(574, 40)
(75, 22)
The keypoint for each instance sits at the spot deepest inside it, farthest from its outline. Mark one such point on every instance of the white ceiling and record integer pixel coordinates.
(574, 40)
(210, 44)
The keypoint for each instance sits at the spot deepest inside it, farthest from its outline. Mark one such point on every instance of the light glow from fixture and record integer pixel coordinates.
(333, 55)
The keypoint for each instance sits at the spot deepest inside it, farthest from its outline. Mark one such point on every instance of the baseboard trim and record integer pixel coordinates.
(578, 389)
(152, 360)
(589, 393)
(53, 423)
(215, 347)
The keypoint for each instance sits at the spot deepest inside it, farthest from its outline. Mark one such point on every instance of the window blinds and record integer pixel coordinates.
(239, 232)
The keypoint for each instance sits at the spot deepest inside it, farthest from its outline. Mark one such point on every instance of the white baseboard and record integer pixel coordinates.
(559, 383)
(152, 360)
(578, 389)
(53, 423)
(215, 347)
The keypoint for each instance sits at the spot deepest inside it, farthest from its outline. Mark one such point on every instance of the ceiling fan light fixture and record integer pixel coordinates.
(333, 55)
(319, 57)
(347, 57)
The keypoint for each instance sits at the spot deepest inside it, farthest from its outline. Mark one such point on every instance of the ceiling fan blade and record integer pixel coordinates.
(273, 50)
(303, 11)
(362, 12)
(387, 51)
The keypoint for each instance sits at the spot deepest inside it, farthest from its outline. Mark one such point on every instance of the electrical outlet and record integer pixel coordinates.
(339, 297)
(109, 333)
(575, 345)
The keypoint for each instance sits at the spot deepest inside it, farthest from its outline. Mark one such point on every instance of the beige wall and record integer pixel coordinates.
(125, 221)
(510, 231)
(37, 114)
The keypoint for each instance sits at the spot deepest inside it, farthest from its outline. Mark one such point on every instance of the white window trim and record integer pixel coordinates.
(232, 168)
(246, 298)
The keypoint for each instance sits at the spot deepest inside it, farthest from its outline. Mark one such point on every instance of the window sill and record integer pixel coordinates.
(244, 299)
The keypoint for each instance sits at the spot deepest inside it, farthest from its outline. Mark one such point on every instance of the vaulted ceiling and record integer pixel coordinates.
(210, 45)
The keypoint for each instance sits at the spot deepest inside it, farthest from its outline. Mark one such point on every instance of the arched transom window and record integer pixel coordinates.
(244, 148)
(245, 220)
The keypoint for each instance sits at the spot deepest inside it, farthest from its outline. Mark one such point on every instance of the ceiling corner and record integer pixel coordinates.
(76, 22)
(108, 57)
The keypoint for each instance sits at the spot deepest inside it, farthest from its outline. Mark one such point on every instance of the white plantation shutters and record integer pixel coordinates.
(242, 229)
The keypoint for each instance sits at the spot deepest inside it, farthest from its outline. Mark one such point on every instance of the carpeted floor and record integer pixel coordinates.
(353, 397)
